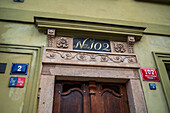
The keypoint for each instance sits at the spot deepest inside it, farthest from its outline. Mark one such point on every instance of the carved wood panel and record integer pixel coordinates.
(90, 97)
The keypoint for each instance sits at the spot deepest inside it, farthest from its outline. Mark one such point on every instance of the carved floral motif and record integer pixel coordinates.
(119, 47)
(81, 56)
(62, 43)
(91, 57)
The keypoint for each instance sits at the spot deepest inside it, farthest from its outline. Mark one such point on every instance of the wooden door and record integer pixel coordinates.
(90, 97)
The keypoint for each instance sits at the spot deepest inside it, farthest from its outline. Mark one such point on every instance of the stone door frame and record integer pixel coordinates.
(62, 62)
(52, 72)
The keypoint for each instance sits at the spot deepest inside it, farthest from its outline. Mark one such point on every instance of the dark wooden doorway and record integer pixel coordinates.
(90, 97)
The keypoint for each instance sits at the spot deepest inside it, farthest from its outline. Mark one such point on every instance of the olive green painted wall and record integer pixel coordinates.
(12, 99)
(27, 34)
(20, 43)
(129, 10)
(156, 17)
(23, 34)
(155, 99)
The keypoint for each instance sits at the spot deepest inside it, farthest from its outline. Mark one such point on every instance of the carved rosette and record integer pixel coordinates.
(62, 43)
(119, 47)
(50, 36)
(131, 41)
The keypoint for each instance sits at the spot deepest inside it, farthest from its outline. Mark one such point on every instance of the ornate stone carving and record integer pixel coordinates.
(104, 58)
(119, 47)
(131, 41)
(62, 43)
(90, 57)
(51, 36)
(81, 57)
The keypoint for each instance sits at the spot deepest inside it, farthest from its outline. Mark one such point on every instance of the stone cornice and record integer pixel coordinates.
(91, 29)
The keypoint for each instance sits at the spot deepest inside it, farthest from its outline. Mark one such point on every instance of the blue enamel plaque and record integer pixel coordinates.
(19, 68)
(13, 81)
(152, 86)
(18, 0)
(90, 44)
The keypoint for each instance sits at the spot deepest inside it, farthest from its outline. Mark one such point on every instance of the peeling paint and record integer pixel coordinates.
(16, 93)
(22, 34)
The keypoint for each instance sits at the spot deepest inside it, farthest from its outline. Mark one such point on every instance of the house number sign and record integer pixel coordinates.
(19, 68)
(91, 44)
(149, 74)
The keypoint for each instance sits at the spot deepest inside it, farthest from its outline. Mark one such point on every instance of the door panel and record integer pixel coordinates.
(90, 97)
(111, 102)
(72, 101)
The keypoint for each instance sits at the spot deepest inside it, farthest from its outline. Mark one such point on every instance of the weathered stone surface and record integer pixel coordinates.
(136, 97)
(46, 94)
(90, 58)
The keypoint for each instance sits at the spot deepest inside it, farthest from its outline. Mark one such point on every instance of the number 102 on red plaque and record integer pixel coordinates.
(149, 74)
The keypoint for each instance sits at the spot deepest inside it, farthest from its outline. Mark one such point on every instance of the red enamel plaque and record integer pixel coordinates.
(20, 82)
(149, 74)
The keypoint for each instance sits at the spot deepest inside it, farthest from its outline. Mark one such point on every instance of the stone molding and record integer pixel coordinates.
(50, 37)
(63, 26)
(131, 41)
(59, 56)
(52, 72)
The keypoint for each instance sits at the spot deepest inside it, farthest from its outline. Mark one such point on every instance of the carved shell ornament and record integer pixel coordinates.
(62, 43)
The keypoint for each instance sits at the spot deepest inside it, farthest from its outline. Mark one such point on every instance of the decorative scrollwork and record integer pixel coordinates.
(66, 55)
(131, 60)
(104, 58)
(117, 59)
(50, 55)
(81, 56)
(88, 57)
(92, 57)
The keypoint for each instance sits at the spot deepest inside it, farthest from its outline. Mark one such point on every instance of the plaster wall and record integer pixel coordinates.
(128, 10)
(155, 99)
(12, 99)
(23, 34)
(13, 35)
(27, 34)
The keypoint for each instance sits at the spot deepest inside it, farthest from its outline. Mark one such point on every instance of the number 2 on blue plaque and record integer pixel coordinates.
(19, 68)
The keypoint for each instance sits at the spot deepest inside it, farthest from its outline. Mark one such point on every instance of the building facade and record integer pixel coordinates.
(85, 56)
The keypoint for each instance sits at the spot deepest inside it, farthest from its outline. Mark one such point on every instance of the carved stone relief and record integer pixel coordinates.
(75, 57)
(131, 41)
(62, 42)
(51, 36)
(57, 42)
(119, 47)
(67, 43)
